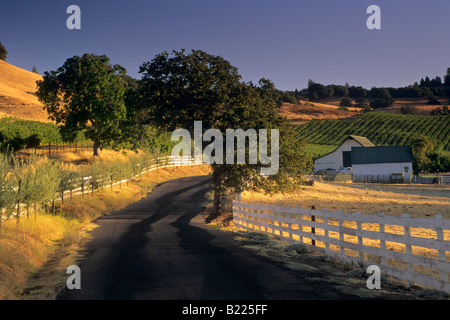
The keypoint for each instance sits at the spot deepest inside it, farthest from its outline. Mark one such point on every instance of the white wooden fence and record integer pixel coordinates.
(158, 163)
(413, 249)
(417, 179)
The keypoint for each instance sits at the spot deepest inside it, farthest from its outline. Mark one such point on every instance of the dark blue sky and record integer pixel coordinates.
(288, 42)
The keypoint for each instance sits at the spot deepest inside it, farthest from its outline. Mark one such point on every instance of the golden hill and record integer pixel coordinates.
(305, 111)
(17, 93)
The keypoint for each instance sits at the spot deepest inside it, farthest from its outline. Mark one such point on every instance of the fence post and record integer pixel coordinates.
(381, 232)
(313, 229)
(288, 224)
(407, 233)
(358, 229)
(440, 236)
(82, 186)
(341, 234)
(326, 231)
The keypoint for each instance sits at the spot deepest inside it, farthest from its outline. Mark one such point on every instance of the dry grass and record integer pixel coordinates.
(84, 156)
(415, 200)
(25, 247)
(35, 253)
(17, 93)
(306, 111)
(421, 105)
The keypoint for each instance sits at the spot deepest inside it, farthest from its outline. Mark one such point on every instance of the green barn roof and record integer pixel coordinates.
(361, 155)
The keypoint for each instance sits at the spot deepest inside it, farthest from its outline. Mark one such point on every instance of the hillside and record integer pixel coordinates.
(17, 93)
(306, 111)
(423, 108)
(381, 128)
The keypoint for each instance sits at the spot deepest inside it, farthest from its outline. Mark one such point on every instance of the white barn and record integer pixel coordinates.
(340, 158)
(381, 163)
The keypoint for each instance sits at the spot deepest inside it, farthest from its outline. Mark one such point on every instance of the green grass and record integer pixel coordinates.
(318, 150)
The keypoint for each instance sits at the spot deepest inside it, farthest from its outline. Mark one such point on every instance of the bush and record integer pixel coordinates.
(362, 103)
(433, 102)
(441, 111)
(380, 103)
(409, 110)
(345, 103)
(3, 52)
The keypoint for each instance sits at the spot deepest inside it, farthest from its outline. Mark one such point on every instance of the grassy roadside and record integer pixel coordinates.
(35, 253)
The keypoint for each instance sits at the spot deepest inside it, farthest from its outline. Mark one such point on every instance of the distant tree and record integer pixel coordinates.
(340, 91)
(433, 101)
(319, 91)
(346, 103)
(381, 98)
(357, 92)
(289, 96)
(409, 110)
(380, 104)
(414, 91)
(441, 111)
(86, 94)
(34, 70)
(438, 162)
(270, 93)
(436, 82)
(421, 146)
(3, 52)
(431, 83)
(361, 103)
(447, 78)
(379, 93)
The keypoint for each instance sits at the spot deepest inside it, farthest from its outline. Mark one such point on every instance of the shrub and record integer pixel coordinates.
(345, 103)
(380, 103)
(3, 52)
(409, 110)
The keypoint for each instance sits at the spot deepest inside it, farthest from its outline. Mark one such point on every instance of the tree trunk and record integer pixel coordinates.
(217, 182)
(96, 147)
(217, 202)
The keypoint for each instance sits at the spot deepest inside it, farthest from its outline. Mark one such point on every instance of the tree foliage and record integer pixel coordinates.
(421, 146)
(86, 93)
(181, 88)
(3, 52)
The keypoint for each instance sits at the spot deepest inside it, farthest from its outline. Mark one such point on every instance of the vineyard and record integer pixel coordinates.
(18, 133)
(383, 129)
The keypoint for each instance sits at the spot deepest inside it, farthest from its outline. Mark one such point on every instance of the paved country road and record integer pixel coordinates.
(160, 249)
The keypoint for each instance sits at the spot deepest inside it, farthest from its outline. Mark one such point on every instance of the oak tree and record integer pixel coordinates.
(181, 88)
(86, 94)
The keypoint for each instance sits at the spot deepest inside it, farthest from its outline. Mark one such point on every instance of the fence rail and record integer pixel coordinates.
(413, 249)
(359, 178)
(87, 185)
